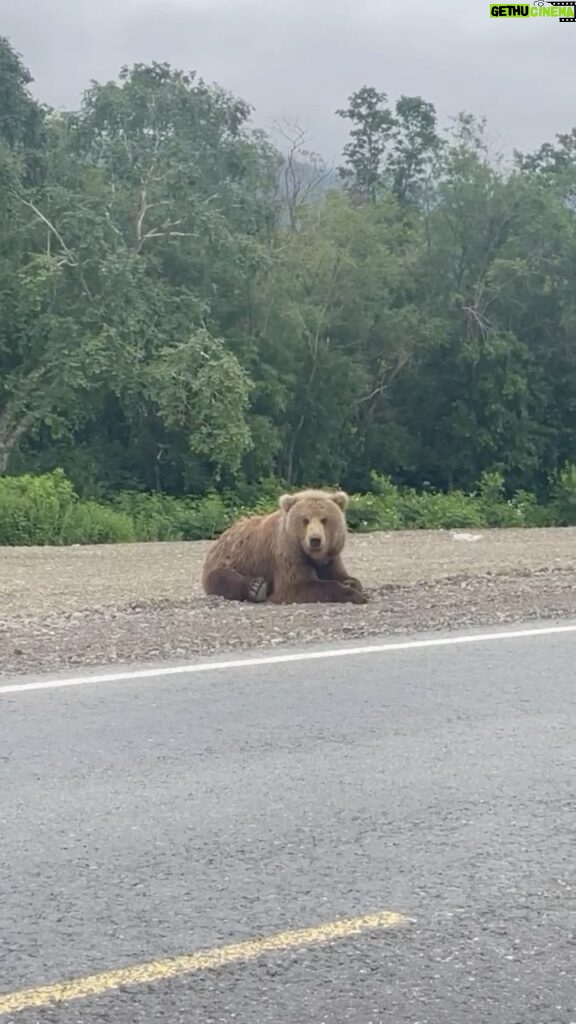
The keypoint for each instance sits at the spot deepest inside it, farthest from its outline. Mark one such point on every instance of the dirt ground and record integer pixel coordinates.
(66, 607)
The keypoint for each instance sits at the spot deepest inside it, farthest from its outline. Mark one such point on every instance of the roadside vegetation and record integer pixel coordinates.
(39, 510)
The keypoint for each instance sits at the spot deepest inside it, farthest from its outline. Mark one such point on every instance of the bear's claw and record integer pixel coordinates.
(258, 590)
(351, 581)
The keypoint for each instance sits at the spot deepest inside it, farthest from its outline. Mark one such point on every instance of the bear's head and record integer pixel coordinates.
(315, 521)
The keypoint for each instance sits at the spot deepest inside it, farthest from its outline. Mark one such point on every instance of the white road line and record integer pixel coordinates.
(284, 659)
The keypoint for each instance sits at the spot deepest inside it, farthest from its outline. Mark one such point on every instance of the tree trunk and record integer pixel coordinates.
(4, 456)
(10, 434)
(291, 449)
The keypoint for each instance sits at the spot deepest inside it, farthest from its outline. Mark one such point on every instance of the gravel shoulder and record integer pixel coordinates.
(100, 605)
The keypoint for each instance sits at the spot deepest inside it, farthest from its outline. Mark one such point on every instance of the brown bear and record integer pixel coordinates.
(292, 555)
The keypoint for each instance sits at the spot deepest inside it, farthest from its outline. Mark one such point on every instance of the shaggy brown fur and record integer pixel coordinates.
(292, 555)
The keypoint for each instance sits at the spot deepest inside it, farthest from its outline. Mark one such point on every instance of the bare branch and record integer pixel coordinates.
(304, 171)
(31, 206)
(112, 224)
(479, 318)
(140, 215)
(68, 259)
(166, 234)
(386, 378)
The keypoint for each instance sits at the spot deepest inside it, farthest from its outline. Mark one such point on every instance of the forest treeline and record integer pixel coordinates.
(188, 306)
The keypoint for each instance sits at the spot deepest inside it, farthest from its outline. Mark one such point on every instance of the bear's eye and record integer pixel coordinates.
(305, 521)
(323, 521)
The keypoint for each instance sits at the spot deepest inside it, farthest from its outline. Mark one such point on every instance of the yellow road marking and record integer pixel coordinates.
(161, 970)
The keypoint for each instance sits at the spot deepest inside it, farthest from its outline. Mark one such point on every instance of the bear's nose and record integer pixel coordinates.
(315, 541)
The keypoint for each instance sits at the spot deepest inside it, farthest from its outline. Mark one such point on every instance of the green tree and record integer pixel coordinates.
(468, 400)
(388, 150)
(415, 147)
(21, 117)
(372, 127)
(148, 207)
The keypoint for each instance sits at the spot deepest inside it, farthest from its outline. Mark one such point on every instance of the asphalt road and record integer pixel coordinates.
(148, 819)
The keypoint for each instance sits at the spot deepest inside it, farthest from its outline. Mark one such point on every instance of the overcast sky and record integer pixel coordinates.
(302, 58)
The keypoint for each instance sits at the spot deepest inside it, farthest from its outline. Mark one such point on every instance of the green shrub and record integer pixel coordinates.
(368, 512)
(91, 523)
(530, 512)
(155, 516)
(35, 509)
(162, 517)
(264, 493)
(436, 511)
(205, 518)
(383, 486)
(497, 511)
(492, 488)
(45, 510)
(563, 503)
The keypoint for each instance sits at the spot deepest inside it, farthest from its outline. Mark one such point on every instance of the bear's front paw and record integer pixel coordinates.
(258, 590)
(351, 581)
(359, 597)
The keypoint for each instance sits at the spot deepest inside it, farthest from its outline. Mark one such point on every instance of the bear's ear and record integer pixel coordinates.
(341, 499)
(287, 501)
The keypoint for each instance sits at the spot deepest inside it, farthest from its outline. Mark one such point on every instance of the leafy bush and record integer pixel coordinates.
(206, 518)
(155, 516)
(45, 510)
(394, 508)
(530, 513)
(91, 523)
(162, 517)
(495, 507)
(35, 509)
(263, 493)
(368, 512)
(433, 511)
(563, 503)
